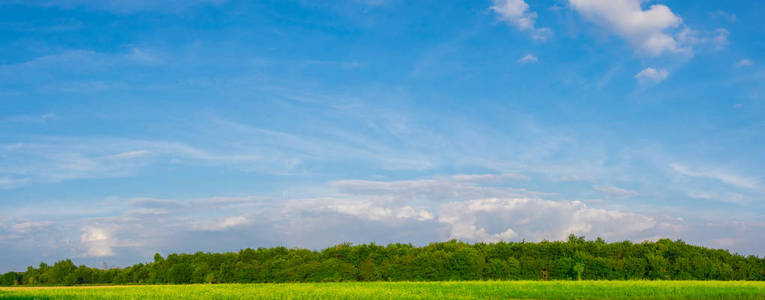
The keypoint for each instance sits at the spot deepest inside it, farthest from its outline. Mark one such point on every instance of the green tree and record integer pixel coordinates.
(579, 269)
(180, 273)
(367, 270)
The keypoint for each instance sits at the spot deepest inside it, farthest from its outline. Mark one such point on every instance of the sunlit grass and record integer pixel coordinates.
(411, 290)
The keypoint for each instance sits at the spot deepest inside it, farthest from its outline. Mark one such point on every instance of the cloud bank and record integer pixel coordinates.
(463, 206)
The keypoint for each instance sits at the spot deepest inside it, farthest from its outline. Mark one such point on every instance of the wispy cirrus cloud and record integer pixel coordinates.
(614, 191)
(721, 14)
(528, 59)
(130, 154)
(79, 71)
(10, 182)
(716, 174)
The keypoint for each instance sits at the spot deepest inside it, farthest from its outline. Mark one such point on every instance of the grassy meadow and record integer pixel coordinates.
(409, 290)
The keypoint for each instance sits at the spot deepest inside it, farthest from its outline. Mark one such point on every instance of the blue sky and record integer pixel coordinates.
(134, 127)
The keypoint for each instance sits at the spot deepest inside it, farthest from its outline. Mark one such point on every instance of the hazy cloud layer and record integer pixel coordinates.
(418, 211)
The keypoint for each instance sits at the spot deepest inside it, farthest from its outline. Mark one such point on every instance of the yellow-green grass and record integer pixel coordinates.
(410, 290)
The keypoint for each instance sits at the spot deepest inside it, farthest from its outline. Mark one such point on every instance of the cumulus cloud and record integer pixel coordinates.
(528, 59)
(651, 76)
(98, 241)
(517, 13)
(646, 29)
(615, 191)
(497, 219)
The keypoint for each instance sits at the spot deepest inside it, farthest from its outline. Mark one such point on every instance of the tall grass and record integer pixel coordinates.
(411, 290)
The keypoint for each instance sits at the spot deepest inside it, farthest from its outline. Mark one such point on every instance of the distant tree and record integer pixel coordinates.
(451, 260)
(60, 273)
(562, 268)
(498, 269)
(464, 264)
(579, 269)
(514, 268)
(9, 279)
(180, 273)
(367, 270)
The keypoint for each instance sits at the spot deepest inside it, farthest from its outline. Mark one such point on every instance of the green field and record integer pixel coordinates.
(410, 290)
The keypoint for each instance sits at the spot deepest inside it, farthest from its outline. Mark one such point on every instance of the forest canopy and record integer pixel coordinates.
(573, 259)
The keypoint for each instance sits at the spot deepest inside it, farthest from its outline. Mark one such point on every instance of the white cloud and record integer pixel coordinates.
(372, 209)
(230, 222)
(728, 197)
(496, 219)
(528, 59)
(744, 63)
(130, 154)
(223, 224)
(61, 158)
(436, 190)
(644, 29)
(28, 226)
(98, 241)
(517, 13)
(416, 211)
(716, 174)
(615, 191)
(717, 39)
(651, 76)
(408, 212)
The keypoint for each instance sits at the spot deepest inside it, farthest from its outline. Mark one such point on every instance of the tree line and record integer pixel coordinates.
(573, 259)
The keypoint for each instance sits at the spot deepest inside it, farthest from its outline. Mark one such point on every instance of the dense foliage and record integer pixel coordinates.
(453, 260)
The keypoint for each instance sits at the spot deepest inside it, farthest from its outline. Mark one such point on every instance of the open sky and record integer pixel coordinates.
(134, 127)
